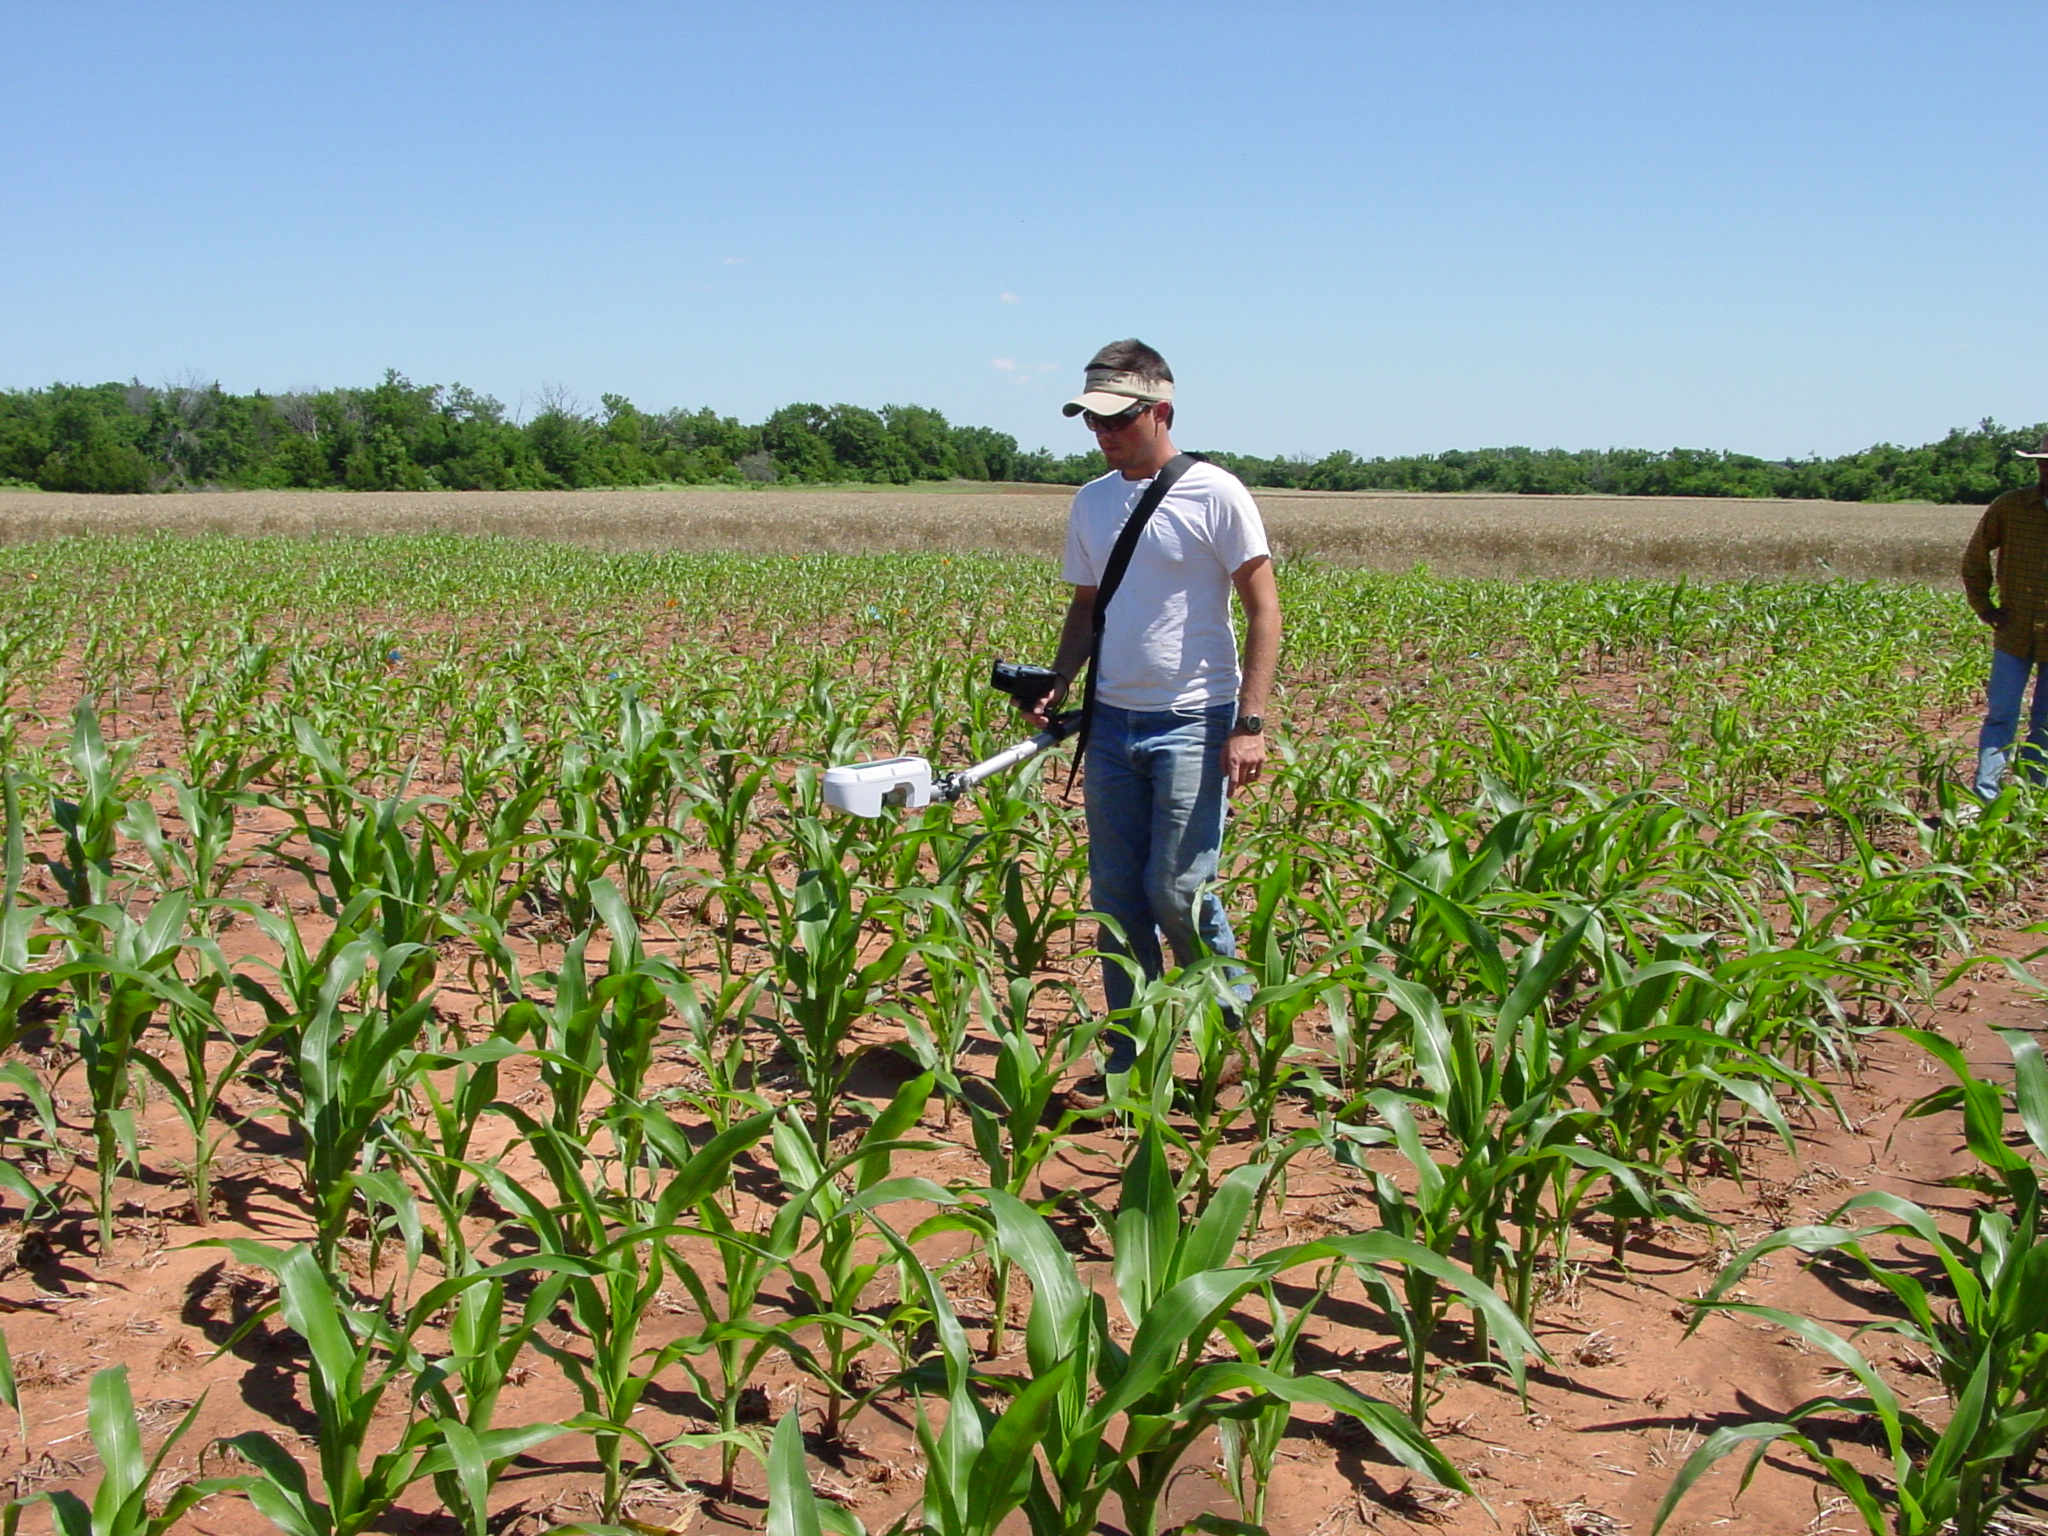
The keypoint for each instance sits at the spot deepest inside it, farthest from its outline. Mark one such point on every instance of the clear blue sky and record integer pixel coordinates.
(1776, 227)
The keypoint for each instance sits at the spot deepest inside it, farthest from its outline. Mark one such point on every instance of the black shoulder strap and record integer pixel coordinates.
(1113, 577)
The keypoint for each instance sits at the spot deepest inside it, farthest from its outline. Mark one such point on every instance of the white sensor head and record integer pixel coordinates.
(863, 789)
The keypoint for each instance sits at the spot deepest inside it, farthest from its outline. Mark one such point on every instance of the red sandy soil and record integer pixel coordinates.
(1628, 1393)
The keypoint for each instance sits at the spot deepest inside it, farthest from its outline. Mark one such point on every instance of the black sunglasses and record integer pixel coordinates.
(1122, 418)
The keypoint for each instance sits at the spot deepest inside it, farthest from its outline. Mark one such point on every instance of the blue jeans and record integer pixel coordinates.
(2001, 724)
(1156, 804)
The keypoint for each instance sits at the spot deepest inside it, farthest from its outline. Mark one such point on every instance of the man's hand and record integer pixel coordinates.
(1040, 713)
(1995, 617)
(1243, 759)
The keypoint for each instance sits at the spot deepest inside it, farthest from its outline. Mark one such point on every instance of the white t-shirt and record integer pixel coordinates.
(1166, 640)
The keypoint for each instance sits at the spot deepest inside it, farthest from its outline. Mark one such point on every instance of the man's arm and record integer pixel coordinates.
(1244, 756)
(1990, 535)
(1077, 636)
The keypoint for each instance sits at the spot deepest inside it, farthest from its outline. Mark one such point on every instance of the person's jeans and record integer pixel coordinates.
(2001, 724)
(1156, 804)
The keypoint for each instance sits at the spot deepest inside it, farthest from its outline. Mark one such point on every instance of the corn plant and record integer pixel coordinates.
(357, 1358)
(1177, 1284)
(1501, 1079)
(623, 1258)
(121, 1502)
(122, 971)
(373, 852)
(90, 824)
(981, 1467)
(436, 1143)
(939, 1017)
(829, 987)
(193, 1085)
(1985, 1325)
(352, 1056)
(834, 1283)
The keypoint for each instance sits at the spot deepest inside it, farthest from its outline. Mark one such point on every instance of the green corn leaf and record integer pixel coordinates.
(1394, 1430)
(1759, 1437)
(1179, 1318)
(307, 1299)
(908, 1187)
(702, 1172)
(2030, 1085)
(1540, 974)
(71, 1515)
(1059, 1300)
(1221, 1227)
(110, 1415)
(472, 1472)
(1006, 1469)
(10, 1394)
(792, 1506)
(1883, 1402)
(1148, 1227)
(281, 1491)
(895, 1120)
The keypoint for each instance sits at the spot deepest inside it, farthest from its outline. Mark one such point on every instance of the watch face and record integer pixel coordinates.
(1251, 725)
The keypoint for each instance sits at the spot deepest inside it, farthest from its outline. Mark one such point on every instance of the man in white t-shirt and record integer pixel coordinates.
(1177, 724)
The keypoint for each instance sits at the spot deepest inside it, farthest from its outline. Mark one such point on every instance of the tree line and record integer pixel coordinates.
(401, 436)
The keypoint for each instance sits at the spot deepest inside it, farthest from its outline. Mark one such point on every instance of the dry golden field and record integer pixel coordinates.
(1563, 536)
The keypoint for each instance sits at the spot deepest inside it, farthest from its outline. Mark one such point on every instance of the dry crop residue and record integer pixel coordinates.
(1714, 538)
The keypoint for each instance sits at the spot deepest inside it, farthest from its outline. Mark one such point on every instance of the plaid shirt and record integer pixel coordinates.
(2016, 525)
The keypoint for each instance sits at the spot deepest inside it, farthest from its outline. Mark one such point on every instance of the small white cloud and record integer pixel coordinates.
(1023, 373)
(1009, 298)
(735, 261)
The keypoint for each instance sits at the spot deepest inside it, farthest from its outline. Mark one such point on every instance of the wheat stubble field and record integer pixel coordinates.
(1455, 535)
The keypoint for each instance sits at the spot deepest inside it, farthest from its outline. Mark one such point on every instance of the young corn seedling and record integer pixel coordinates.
(122, 971)
(122, 1502)
(643, 778)
(982, 1466)
(373, 853)
(1177, 1284)
(828, 986)
(621, 1267)
(734, 1333)
(1249, 1441)
(1009, 1114)
(835, 1283)
(437, 1143)
(195, 1085)
(1984, 1322)
(352, 1057)
(939, 1018)
(357, 1358)
(90, 824)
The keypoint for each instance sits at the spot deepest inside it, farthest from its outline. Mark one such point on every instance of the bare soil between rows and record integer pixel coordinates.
(1628, 1393)
(1627, 1396)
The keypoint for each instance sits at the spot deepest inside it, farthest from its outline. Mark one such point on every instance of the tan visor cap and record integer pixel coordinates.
(1109, 392)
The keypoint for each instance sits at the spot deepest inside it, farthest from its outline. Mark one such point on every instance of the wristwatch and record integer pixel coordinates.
(1250, 725)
